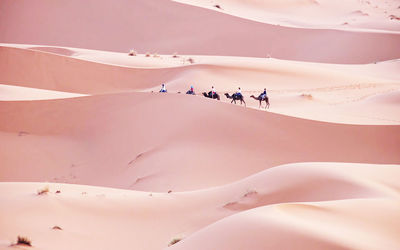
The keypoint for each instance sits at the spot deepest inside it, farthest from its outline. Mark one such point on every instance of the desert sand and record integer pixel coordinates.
(92, 156)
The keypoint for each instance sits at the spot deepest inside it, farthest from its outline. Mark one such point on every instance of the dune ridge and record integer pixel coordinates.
(369, 15)
(196, 31)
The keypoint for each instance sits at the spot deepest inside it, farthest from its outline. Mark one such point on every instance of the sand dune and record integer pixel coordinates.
(347, 15)
(196, 31)
(93, 157)
(15, 93)
(132, 131)
(156, 218)
(336, 91)
(336, 225)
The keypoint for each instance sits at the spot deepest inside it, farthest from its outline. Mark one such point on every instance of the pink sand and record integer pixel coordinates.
(130, 168)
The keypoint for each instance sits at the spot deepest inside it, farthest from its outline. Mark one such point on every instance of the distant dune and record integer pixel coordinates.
(166, 27)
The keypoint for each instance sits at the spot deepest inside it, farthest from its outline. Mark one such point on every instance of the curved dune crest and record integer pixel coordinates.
(54, 50)
(119, 27)
(330, 225)
(372, 15)
(16, 93)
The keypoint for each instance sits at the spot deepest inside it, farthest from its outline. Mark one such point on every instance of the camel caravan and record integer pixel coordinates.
(235, 97)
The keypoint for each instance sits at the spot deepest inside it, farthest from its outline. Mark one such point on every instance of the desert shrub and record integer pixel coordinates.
(44, 190)
(24, 241)
(174, 241)
(132, 52)
(308, 96)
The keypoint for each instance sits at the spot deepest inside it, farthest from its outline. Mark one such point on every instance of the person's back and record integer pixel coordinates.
(264, 94)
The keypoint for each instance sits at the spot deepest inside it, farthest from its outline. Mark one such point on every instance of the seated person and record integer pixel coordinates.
(212, 92)
(163, 88)
(263, 95)
(191, 91)
(239, 93)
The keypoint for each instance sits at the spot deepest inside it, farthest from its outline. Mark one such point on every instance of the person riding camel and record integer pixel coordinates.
(263, 95)
(239, 93)
(163, 88)
(213, 91)
(191, 91)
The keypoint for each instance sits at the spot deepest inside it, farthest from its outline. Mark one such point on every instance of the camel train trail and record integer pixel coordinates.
(239, 97)
(235, 97)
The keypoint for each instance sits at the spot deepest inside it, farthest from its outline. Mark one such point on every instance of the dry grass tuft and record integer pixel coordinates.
(148, 54)
(307, 96)
(155, 55)
(394, 17)
(57, 228)
(250, 193)
(44, 190)
(174, 241)
(175, 55)
(132, 52)
(191, 60)
(24, 241)
(218, 6)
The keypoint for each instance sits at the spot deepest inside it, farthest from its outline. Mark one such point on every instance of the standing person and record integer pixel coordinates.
(163, 88)
(213, 92)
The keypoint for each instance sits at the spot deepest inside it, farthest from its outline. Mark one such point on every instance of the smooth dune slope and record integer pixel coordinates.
(92, 72)
(342, 14)
(166, 27)
(148, 141)
(16, 93)
(332, 225)
(157, 218)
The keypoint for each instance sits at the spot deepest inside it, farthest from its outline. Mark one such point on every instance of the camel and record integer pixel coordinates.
(235, 98)
(261, 99)
(215, 96)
